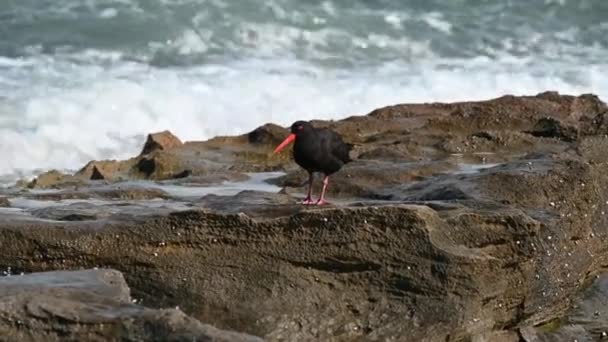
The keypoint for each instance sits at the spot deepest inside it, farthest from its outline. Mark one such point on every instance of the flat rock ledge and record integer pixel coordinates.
(474, 221)
(91, 305)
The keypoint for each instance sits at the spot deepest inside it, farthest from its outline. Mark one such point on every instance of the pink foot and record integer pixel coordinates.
(308, 201)
(321, 202)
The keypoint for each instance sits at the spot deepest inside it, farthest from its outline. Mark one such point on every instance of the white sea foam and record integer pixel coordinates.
(224, 67)
(436, 21)
(106, 113)
(395, 20)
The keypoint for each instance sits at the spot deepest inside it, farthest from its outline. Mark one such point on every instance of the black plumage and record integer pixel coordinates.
(317, 150)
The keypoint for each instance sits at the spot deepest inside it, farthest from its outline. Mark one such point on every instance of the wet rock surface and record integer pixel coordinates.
(477, 221)
(116, 193)
(91, 305)
(585, 320)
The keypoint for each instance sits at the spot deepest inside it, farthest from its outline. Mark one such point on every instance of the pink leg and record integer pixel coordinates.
(321, 200)
(308, 200)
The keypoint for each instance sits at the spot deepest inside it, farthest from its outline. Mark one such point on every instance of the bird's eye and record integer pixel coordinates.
(300, 127)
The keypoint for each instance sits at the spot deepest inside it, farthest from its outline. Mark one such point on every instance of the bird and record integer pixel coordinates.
(318, 150)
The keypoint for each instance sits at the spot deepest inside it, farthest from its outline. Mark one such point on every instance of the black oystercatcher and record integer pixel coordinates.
(317, 150)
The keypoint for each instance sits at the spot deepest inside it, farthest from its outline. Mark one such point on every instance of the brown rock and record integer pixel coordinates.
(553, 128)
(363, 178)
(161, 165)
(131, 193)
(91, 305)
(498, 336)
(269, 134)
(586, 105)
(97, 175)
(597, 125)
(475, 253)
(385, 153)
(105, 170)
(516, 112)
(121, 193)
(59, 195)
(47, 179)
(4, 203)
(584, 321)
(54, 179)
(160, 141)
(399, 132)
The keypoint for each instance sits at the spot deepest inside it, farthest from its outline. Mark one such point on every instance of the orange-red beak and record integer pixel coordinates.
(285, 142)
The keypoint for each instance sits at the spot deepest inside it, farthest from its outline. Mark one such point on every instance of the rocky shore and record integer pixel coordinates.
(473, 221)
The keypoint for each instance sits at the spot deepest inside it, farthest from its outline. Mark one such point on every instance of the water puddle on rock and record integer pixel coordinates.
(27, 203)
(179, 195)
(476, 162)
(256, 182)
(472, 168)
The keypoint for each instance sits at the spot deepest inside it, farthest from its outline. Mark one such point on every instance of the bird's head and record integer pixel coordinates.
(300, 127)
(297, 128)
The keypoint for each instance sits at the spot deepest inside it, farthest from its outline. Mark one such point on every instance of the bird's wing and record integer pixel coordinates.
(339, 149)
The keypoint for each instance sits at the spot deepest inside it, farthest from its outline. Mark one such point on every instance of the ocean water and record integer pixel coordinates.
(87, 79)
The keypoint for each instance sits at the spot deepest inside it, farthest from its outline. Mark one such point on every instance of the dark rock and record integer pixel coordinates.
(553, 128)
(59, 195)
(584, 321)
(398, 258)
(96, 174)
(442, 193)
(161, 165)
(104, 283)
(82, 211)
(364, 178)
(102, 213)
(113, 193)
(396, 255)
(485, 135)
(252, 203)
(129, 193)
(91, 305)
(385, 153)
(77, 217)
(161, 141)
(183, 174)
(268, 134)
(146, 166)
(208, 179)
